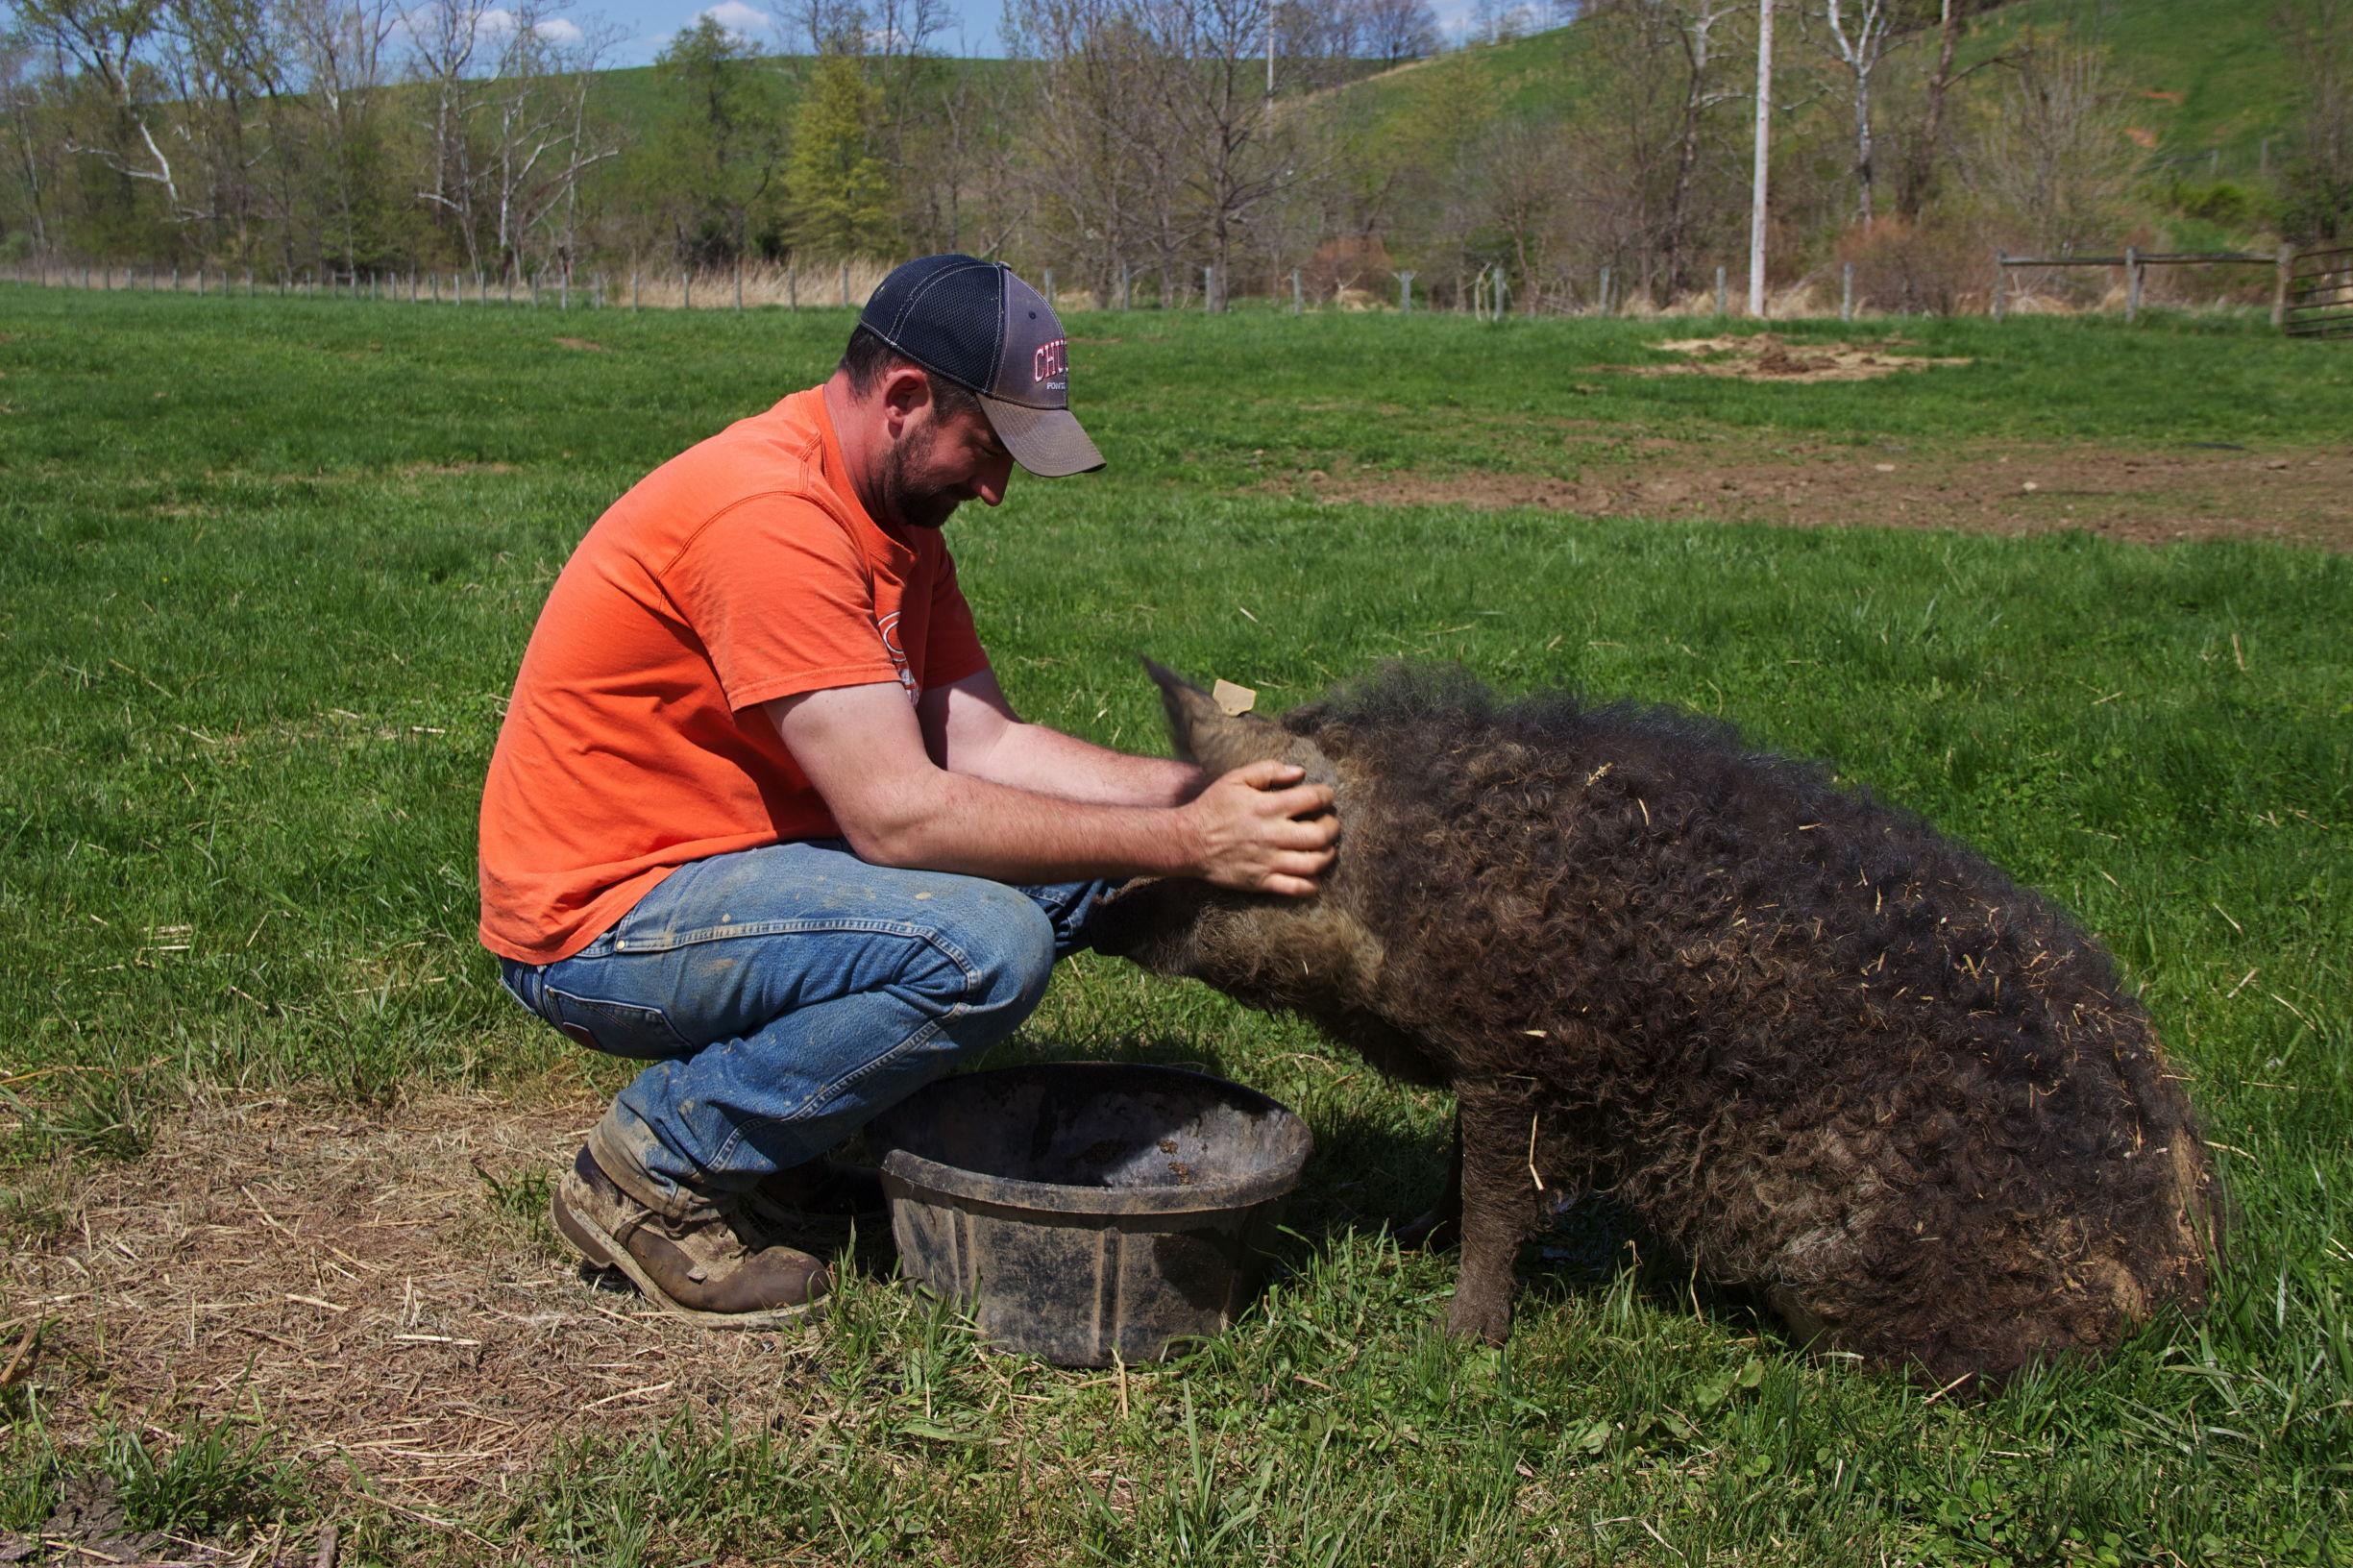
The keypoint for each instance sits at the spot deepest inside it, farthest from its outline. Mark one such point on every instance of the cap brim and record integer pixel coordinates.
(1048, 442)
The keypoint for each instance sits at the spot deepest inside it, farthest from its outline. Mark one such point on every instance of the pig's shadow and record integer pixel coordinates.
(1367, 1174)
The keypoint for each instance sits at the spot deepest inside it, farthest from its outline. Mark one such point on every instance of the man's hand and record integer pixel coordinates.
(1259, 830)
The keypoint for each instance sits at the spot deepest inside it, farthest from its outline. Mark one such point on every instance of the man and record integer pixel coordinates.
(760, 815)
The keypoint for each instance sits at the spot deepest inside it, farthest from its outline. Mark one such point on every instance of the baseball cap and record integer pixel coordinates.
(990, 333)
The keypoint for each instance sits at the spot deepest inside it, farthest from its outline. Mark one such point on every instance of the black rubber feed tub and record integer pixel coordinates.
(1083, 1209)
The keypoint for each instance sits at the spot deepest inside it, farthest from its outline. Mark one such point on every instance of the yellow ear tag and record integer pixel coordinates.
(1235, 699)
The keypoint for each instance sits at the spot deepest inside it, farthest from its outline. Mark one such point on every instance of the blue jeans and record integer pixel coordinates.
(784, 996)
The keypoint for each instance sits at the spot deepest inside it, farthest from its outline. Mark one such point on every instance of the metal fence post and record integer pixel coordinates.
(1605, 300)
(2132, 284)
(563, 289)
(1127, 296)
(1208, 289)
(1846, 293)
(1718, 292)
(2279, 285)
(1048, 289)
(2001, 283)
(1299, 297)
(1405, 293)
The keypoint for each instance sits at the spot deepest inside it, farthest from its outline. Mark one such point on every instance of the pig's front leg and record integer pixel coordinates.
(1446, 1214)
(1498, 1209)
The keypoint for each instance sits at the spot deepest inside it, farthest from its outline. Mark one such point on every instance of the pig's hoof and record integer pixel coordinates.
(1433, 1231)
(1472, 1318)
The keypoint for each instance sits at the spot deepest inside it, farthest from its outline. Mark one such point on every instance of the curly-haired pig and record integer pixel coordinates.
(1821, 1050)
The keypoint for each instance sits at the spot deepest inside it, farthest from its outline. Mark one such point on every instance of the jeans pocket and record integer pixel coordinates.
(643, 1034)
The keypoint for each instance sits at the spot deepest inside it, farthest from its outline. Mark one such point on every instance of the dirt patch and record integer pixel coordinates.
(379, 1286)
(1764, 357)
(582, 344)
(2150, 497)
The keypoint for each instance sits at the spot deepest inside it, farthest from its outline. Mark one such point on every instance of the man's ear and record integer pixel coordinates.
(905, 391)
(1218, 741)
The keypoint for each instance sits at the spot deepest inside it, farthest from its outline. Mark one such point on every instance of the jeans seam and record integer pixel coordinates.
(931, 1030)
(636, 946)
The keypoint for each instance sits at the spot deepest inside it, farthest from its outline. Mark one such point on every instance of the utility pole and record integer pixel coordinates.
(1764, 133)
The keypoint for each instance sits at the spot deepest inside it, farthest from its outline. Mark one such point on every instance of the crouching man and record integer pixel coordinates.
(760, 816)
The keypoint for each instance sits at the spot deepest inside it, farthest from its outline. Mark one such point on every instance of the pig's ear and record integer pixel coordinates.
(1220, 742)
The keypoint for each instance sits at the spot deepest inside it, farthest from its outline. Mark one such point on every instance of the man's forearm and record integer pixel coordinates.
(980, 827)
(1048, 762)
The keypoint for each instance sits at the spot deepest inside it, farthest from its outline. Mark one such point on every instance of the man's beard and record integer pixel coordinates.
(908, 500)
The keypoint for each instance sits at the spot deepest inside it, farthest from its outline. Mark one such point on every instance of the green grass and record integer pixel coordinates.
(269, 568)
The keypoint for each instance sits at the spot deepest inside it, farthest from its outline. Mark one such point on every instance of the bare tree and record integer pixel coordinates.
(22, 104)
(1396, 30)
(538, 137)
(2054, 159)
(2318, 184)
(1669, 67)
(1916, 174)
(1862, 32)
(1212, 104)
(1090, 108)
(446, 38)
(103, 39)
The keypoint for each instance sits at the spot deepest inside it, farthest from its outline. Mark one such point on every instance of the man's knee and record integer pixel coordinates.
(1002, 945)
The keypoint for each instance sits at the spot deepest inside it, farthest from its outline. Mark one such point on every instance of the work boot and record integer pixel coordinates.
(712, 1265)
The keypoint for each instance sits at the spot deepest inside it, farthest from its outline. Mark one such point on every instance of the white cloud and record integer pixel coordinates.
(738, 18)
(497, 22)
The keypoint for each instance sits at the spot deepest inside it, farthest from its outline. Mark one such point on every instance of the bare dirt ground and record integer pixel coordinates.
(379, 1286)
(1763, 356)
(2151, 497)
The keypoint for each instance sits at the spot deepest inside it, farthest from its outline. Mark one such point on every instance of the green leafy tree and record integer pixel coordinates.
(711, 174)
(840, 191)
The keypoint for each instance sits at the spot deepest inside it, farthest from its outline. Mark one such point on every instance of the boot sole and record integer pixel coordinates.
(601, 1251)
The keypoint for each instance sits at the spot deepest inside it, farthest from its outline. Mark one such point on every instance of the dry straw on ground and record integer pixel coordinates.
(1764, 357)
(378, 1286)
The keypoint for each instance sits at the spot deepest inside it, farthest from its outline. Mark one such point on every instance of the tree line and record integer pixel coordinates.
(1188, 151)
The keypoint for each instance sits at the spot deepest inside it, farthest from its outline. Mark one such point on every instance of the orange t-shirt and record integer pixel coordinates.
(741, 570)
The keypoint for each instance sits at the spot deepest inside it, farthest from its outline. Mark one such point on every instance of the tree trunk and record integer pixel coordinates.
(1919, 173)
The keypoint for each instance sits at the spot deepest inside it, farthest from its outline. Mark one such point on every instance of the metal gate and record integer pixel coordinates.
(2321, 294)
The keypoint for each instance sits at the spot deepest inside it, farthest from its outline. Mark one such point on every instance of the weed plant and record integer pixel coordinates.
(269, 568)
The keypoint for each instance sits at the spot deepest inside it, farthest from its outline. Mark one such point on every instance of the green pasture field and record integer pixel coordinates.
(266, 569)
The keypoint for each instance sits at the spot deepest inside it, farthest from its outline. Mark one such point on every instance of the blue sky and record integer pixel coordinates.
(652, 23)
(649, 24)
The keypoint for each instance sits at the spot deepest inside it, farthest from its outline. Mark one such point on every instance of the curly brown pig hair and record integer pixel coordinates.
(1822, 1051)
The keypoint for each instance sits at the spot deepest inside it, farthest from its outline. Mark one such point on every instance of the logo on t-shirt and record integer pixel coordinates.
(888, 626)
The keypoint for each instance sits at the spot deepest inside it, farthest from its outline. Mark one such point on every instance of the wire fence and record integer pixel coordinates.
(1489, 293)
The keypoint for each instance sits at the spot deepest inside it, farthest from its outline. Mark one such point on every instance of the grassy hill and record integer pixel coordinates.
(2209, 71)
